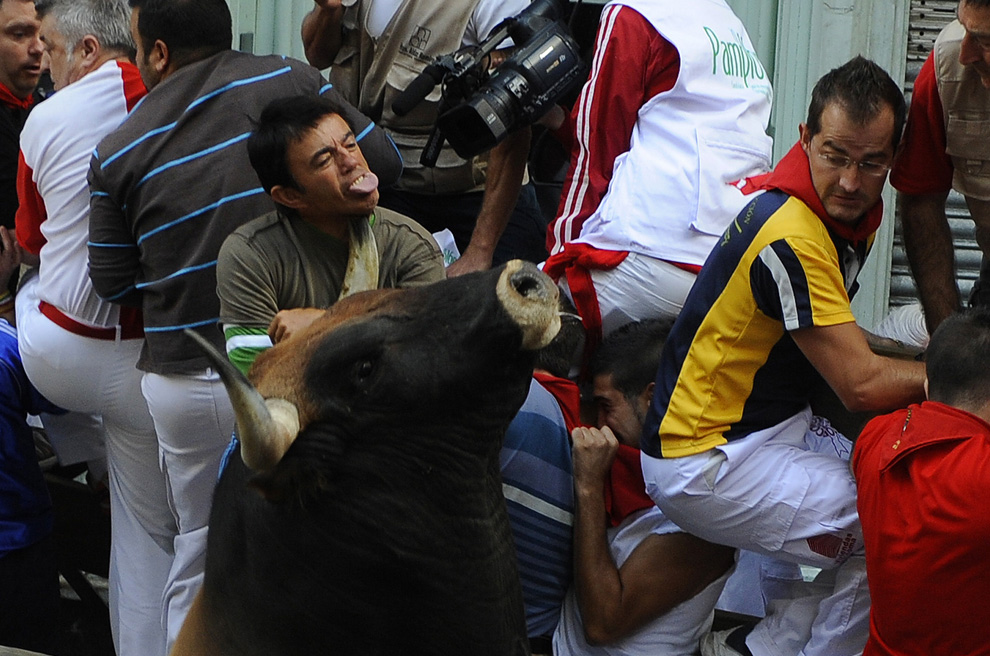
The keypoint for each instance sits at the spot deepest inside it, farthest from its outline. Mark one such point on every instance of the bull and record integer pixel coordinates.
(365, 513)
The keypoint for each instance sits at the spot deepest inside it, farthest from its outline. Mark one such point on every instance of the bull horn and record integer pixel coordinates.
(265, 427)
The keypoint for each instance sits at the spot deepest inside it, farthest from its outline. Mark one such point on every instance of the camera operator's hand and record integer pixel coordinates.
(328, 4)
(472, 260)
(554, 118)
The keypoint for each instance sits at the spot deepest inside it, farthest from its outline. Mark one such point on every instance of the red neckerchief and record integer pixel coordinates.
(12, 101)
(625, 490)
(567, 395)
(792, 175)
(576, 262)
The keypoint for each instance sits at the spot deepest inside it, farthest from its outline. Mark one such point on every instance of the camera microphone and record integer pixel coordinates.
(418, 89)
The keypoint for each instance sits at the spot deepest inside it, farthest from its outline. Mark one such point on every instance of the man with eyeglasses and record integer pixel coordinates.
(946, 147)
(724, 454)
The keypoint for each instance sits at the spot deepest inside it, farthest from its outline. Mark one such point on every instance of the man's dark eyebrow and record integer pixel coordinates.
(21, 25)
(330, 148)
(843, 151)
(833, 146)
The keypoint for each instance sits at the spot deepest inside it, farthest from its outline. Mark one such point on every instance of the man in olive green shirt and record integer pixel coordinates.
(327, 240)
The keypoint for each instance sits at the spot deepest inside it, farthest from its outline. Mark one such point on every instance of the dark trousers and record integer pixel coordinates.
(29, 598)
(524, 237)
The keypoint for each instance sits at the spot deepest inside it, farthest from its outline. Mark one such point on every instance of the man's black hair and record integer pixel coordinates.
(862, 89)
(282, 122)
(632, 355)
(192, 29)
(976, 3)
(958, 360)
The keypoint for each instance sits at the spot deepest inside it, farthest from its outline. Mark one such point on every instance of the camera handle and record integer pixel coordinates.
(434, 144)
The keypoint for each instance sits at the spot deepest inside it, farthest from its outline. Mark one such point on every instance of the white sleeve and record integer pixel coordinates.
(487, 14)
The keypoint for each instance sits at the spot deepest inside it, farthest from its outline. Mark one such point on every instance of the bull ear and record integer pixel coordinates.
(266, 427)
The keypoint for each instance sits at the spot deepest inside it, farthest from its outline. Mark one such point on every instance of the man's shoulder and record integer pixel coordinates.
(888, 439)
(207, 80)
(76, 100)
(389, 223)
(773, 216)
(268, 226)
(949, 40)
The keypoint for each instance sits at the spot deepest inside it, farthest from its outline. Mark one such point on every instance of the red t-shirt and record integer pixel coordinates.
(632, 63)
(923, 474)
(923, 167)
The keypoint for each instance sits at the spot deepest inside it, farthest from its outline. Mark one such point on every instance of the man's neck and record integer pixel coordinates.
(12, 98)
(337, 227)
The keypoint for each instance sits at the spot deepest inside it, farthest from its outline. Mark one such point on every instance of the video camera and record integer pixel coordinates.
(479, 109)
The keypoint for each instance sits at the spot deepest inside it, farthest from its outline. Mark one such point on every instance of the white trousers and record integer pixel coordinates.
(759, 578)
(99, 376)
(770, 494)
(641, 287)
(194, 422)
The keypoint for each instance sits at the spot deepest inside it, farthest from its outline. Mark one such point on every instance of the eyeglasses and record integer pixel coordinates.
(874, 169)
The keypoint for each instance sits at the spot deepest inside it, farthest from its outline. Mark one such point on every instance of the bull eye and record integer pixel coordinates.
(365, 369)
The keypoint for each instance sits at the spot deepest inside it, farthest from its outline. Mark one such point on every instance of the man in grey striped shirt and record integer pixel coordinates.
(168, 186)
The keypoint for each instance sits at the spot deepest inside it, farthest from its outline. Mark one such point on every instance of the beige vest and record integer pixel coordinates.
(966, 107)
(371, 73)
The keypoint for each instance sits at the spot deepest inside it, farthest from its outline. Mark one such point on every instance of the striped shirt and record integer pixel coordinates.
(174, 180)
(730, 367)
(537, 481)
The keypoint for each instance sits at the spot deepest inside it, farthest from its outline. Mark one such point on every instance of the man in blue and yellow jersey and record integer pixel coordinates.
(724, 454)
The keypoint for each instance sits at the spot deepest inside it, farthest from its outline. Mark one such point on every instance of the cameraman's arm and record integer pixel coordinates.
(506, 164)
(321, 33)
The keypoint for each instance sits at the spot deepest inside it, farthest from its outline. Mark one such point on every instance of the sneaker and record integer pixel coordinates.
(715, 643)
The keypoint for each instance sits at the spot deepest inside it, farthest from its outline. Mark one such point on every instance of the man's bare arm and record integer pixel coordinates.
(321, 33)
(506, 166)
(663, 570)
(928, 242)
(290, 322)
(861, 379)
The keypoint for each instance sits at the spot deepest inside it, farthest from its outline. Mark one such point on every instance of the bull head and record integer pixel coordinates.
(267, 427)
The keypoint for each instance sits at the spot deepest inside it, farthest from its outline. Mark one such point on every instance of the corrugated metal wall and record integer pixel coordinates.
(928, 17)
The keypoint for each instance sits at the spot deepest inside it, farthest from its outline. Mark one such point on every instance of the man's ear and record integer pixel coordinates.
(90, 50)
(159, 58)
(287, 196)
(805, 136)
(645, 398)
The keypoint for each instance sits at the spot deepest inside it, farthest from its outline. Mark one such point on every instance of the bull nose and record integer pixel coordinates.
(532, 283)
(530, 298)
